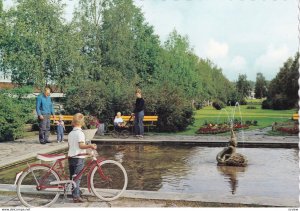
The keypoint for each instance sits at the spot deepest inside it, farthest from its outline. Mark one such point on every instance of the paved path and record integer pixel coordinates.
(157, 199)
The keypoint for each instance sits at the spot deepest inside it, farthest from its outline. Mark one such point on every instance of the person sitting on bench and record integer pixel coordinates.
(118, 121)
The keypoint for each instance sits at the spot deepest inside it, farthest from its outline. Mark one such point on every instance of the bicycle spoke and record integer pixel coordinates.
(112, 184)
(30, 194)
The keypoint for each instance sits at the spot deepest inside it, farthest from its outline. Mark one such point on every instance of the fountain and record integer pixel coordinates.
(228, 156)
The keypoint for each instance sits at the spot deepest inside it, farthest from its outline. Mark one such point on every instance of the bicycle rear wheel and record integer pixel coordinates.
(27, 188)
(114, 182)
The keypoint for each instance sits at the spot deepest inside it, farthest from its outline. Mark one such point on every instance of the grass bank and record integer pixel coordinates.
(263, 117)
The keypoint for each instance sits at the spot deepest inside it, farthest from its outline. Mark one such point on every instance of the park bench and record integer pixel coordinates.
(149, 121)
(295, 116)
(66, 118)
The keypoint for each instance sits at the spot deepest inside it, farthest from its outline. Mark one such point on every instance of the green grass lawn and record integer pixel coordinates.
(264, 117)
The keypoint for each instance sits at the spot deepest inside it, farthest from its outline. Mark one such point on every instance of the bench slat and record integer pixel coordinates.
(146, 118)
(295, 116)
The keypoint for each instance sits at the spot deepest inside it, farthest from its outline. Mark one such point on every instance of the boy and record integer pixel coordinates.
(77, 146)
(60, 128)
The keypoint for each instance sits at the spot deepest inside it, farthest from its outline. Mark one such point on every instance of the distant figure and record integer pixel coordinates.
(139, 114)
(118, 121)
(44, 108)
(60, 128)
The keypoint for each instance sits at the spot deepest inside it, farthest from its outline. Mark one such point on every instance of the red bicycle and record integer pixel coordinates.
(40, 185)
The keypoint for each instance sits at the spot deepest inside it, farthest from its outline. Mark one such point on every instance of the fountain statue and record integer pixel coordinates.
(229, 157)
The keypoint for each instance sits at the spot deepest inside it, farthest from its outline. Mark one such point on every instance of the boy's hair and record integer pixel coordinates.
(138, 91)
(119, 113)
(78, 119)
(47, 89)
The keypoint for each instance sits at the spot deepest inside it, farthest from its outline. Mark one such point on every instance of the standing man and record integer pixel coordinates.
(44, 109)
(139, 114)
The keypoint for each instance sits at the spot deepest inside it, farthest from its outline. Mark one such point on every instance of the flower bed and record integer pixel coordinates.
(289, 130)
(219, 128)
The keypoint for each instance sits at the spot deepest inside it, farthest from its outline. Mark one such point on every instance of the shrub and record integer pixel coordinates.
(266, 104)
(15, 111)
(174, 111)
(96, 99)
(282, 104)
(243, 102)
(248, 122)
(218, 105)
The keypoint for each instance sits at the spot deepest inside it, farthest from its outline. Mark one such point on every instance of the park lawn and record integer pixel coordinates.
(264, 117)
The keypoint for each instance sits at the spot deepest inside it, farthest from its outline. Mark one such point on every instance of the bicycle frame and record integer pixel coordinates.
(90, 165)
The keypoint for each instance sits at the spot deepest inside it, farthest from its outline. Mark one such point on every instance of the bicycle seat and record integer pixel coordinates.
(48, 157)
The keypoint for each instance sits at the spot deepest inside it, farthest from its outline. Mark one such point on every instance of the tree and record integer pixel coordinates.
(36, 47)
(243, 86)
(88, 21)
(283, 89)
(260, 86)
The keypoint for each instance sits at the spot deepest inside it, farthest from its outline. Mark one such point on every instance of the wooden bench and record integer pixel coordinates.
(295, 116)
(66, 118)
(149, 121)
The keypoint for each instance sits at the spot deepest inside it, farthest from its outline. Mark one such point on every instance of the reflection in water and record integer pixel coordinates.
(231, 173)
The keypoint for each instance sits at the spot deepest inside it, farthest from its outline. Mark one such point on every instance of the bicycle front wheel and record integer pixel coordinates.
(112, 183)
(28, 191)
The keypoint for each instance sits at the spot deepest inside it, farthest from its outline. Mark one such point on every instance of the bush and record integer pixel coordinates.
(99, 99)
(218, 105)
(15, 112)
(174, 111)
(279, 103)
(282, 104)
(266, 104)
(243, 102)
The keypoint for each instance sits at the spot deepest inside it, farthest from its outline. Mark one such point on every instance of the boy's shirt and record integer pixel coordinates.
(60, 123)
(75, 137)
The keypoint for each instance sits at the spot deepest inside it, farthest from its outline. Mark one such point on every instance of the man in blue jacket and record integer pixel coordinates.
(44, 109)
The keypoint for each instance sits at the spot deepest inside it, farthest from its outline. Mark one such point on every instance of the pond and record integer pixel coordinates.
(193, 169)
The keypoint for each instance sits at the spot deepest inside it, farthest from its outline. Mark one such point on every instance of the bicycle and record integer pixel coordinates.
(40, 185)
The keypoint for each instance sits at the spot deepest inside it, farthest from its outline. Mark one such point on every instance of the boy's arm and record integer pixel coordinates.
(82, 145)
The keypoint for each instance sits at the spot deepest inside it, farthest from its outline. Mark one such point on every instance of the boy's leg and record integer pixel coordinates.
(58, 135)
(75, 166)
(61, 137)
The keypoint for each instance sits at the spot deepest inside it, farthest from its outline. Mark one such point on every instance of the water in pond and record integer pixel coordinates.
(193, 169)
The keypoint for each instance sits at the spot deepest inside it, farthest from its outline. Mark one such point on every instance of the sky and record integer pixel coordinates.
(239, 36)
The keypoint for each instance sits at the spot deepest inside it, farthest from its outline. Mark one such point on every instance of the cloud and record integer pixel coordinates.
(238, 63)
(272, 59)
(216, 50)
